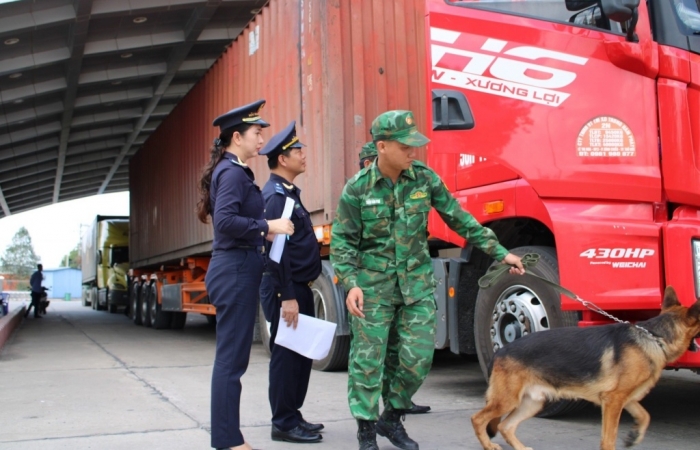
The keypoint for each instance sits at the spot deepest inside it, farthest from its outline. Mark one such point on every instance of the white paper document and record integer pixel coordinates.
(280, 239)
(312, 338)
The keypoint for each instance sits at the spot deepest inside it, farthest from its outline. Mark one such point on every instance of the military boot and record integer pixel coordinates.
(390, 427)
(367, 435)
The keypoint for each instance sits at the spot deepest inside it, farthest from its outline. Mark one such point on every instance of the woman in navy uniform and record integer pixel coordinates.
(285, 289)
(235, 203)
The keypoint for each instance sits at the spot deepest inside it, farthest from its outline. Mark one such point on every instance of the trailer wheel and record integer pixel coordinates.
(264, 327)
(145, 306)
(178, 320)
(135, 310)
(326, 308)
(159, 319)
(516, 306)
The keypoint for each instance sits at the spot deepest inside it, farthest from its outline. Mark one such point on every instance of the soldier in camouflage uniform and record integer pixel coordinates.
(379, 251)
(367, 155)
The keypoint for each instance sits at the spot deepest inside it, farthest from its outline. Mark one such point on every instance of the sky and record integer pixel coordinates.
(55, 229)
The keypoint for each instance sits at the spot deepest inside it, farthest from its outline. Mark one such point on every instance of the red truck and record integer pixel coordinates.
(571, 128)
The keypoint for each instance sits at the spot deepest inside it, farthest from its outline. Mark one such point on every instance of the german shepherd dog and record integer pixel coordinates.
(613, 366)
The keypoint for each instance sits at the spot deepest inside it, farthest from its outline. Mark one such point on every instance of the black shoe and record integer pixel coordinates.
(312, 427)
(367, 435)
(296, 434)
(417, 409)
(390, 427)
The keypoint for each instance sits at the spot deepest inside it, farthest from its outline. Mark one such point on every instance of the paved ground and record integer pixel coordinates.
(82, 379)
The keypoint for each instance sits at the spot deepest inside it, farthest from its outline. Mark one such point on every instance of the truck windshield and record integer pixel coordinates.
(549, 10)
(689, 15)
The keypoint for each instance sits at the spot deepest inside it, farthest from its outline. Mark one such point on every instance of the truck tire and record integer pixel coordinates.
(178, 320)
(112, 308)
(211, 319)
(326, 308)
(144, 311)
(515, 306)
(159, 319)
(135, 309)
(85, 298)
(264, 326)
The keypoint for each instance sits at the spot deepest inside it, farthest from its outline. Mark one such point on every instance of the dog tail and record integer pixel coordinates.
(492, 427)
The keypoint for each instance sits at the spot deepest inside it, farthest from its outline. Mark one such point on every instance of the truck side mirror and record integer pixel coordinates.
(619, 10)
(451, 110)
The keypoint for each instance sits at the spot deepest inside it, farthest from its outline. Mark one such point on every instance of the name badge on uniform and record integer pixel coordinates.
(418, 195)
(372, 201)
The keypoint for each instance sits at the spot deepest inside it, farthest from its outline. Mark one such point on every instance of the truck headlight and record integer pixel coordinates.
(696, 266)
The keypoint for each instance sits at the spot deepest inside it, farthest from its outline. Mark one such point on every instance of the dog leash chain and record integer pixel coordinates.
(529, 260)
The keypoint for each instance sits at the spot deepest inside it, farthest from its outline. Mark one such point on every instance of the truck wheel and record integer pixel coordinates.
(135, 310)
(264, 326)
(159, 319)
(113, 309)
(145, 305)
(516, 306)
(211, 319)
(326, 308)
(85, 299)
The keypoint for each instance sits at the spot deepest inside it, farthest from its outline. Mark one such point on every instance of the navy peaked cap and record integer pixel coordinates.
(249, 113)
(284, 140)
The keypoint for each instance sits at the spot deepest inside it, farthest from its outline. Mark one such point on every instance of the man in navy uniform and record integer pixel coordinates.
(37, 290)
(285, 289)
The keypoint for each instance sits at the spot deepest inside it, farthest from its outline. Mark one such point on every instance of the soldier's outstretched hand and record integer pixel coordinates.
(517, 265)
(355, 302)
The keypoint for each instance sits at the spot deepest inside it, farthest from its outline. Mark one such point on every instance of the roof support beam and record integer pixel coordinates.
(195, 25)
(79, 36)
(3, 203)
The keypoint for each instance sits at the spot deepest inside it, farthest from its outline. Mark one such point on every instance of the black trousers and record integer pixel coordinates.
(36, 298)
(233, 281)
(289, 371)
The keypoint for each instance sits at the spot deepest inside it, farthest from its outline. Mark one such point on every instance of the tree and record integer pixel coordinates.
(73, 258)
(19, 258)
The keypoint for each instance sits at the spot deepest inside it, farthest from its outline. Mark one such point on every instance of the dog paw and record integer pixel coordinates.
(494, 447)
(632, 438)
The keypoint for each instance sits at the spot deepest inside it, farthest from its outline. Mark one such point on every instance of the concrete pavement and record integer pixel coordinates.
(83, 379)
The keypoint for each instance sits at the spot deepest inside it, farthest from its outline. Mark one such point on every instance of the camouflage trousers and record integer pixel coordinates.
(412, 330)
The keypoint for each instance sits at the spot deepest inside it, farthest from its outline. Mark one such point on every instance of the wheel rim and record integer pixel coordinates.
(135, 302)
(517, 312)
(320, 306)
(144, 307)
(154, 303)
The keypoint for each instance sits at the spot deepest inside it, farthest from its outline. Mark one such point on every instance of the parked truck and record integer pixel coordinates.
(571, 128)
(105, 263)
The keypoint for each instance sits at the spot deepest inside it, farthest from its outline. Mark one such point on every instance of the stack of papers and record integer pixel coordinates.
(312, 338)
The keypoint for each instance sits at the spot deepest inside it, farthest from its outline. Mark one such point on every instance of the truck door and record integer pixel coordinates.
(559, 98)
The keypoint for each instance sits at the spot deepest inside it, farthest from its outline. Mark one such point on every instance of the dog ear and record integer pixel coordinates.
(670, 298)
(694, 311)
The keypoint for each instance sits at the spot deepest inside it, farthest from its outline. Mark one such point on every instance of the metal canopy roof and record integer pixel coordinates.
(84, 82)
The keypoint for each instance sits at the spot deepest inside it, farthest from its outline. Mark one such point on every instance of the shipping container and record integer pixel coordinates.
(331, 66)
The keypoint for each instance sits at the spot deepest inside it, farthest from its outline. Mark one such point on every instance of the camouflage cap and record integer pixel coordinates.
(368, 151)
(397, 126)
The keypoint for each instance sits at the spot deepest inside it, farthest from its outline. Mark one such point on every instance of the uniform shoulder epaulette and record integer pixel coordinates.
(359, 175)
(279, 189)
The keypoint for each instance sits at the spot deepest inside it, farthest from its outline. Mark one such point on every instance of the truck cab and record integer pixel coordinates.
(571, 128)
